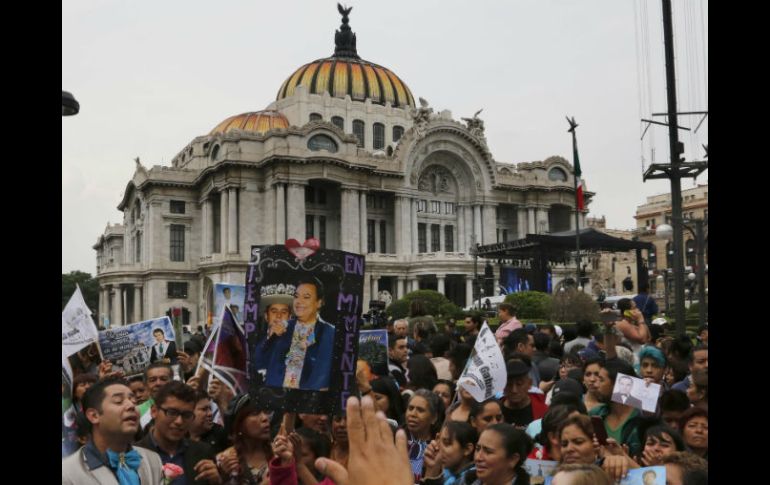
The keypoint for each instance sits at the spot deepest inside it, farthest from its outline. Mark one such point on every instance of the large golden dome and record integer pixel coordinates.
(256, 122)
(345, 73)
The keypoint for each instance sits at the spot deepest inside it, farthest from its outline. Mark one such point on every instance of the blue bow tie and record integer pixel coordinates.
(126, 466)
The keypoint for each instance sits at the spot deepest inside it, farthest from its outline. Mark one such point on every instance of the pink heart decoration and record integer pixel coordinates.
(308, 248)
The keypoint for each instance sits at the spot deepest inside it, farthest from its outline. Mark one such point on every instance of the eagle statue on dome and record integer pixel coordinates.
(421, 117)
(344, 12)
(476, 125)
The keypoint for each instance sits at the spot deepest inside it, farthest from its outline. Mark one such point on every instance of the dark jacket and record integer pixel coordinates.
(169, 351)
(316, 371)
(193, 453)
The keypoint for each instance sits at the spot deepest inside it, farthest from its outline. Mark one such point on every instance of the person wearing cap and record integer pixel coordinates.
(277, 300)
(520, 406)
(508, 321)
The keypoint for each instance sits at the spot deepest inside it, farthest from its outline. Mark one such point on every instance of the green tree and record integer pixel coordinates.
(435, 303)
(88, 285)
(572, 305)
(530, 304)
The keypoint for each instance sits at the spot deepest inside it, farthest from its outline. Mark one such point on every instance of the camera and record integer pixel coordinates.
(376, 315)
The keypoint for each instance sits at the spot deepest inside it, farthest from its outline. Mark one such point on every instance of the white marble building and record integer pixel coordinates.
(344, 154)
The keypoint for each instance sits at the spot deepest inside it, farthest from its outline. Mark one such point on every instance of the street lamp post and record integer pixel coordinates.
(667, 232)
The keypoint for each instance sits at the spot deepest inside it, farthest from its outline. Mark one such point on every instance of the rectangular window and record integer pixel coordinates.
(138, 247)
(383, 239)
(176, 206)
(422, 205)
(370, 236)
(449, 208)
(435, 207)
(422, 243)
(505, 235)
(322, 230)
(177, 242)
(449, 239)
(370, 201)
(398, 132)
(309, 195)
(339, 122)
(309, 226)
(177, 289)
(435, 238)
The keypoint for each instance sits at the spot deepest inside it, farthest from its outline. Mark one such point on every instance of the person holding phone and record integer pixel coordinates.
(632, 326)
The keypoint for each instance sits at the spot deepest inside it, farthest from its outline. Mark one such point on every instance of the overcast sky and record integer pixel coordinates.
(152, 75)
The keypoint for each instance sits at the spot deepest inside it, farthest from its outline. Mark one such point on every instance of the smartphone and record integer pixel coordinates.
(599, 430)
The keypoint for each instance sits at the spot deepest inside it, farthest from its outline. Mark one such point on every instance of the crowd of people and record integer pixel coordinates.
(414, 425)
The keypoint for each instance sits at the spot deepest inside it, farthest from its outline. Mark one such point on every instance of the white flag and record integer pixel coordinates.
(485, 376)
(77, 327)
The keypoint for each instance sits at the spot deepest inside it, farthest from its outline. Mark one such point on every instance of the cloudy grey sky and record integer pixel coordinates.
(152, 75)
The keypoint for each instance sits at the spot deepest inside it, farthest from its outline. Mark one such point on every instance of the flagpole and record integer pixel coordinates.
(572, 126)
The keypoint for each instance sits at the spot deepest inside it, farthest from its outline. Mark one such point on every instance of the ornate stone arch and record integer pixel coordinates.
(455, 150)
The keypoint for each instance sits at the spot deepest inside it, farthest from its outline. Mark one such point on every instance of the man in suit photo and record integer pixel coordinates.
(163, 349)
(624, 386)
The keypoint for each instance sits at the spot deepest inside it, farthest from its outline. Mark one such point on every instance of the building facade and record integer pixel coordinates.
(344, 154)
(612, 271)
(657, 211)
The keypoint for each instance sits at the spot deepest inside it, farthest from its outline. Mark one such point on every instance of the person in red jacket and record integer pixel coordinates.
(521, 403)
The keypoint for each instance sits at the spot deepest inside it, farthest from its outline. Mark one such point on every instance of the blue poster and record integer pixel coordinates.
(130, 347)
(373, 348)
(231, 295)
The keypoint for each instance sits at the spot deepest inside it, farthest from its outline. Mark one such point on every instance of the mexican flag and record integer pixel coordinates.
(579, 191)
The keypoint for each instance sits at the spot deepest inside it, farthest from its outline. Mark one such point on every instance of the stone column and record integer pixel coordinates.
(350, 232)
(117, 306)
(460, 239)
(531, 220)
(468, 236)
(363, 225)
(496, 283)
(295, 210)
(441, 287)
(521, 223)
(489, 224)
(400, 287)
(205, 228)
(138, 303)
(398, 224)
(268, 229)
(441, 239)
(105, 310)
(468, 290)
(280, 214)
(367, 293)
(232, 220)
(415, 232)
(477, 224)
(223, 213)
(572, 221)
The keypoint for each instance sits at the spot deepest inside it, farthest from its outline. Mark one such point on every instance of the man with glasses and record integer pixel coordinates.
(173, 413)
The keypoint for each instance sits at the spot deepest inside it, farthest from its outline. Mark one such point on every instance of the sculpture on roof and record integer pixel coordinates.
(476, 125)
(421, 116)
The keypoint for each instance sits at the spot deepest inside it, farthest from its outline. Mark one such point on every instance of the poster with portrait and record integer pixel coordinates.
(636, 393)
(133, 347)
(373, 348)
(230, 295)
(539, 470)
(85, 361)
(302, 314)
(651, 475)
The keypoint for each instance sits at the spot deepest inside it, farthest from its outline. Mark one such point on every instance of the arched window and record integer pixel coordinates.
(315, 117)
(322, 142)
(557, 175)
(358, 130)
(379, 136)
(339, 122)
(398, 132)
(215, 152)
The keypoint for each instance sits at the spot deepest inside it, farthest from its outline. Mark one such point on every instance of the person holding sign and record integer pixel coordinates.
(303, 355)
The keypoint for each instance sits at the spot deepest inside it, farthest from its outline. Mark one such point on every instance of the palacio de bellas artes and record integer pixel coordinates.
(346, 154)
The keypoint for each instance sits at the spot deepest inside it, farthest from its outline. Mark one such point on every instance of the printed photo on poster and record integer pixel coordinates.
(373, 349)
(539, 470)
(636, 393)
(134, 347)
(85, 360)
(303, 311)
(228, 295)
(653, 475)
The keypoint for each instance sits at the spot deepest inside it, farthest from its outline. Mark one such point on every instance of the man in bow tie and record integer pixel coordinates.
(108, 457)
(163, 349)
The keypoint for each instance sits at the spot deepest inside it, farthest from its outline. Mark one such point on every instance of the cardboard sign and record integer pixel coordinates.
(302, 314)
